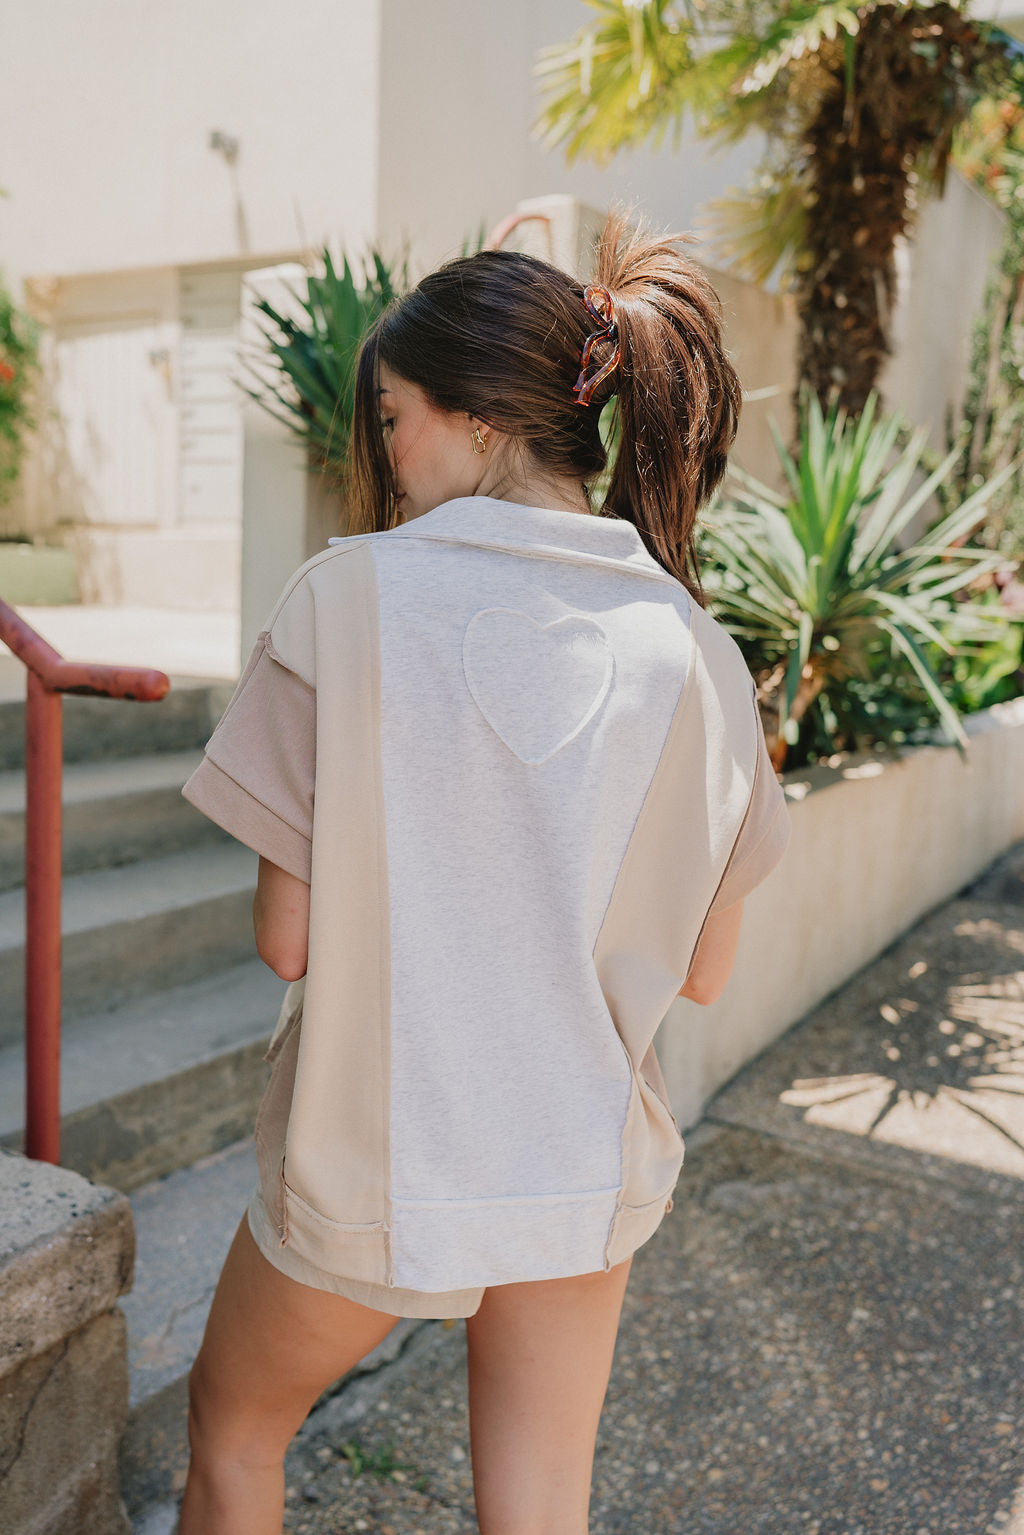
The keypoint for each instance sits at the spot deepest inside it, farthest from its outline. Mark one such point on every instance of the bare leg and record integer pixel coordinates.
(270, 1348)
(540, 1355)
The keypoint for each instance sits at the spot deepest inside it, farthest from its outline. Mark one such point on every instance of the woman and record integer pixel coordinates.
(509, 788)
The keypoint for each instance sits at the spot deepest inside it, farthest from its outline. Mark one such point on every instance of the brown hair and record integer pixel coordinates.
(499, 335)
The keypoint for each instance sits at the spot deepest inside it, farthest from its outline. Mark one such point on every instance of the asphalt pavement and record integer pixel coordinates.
(826, 1335)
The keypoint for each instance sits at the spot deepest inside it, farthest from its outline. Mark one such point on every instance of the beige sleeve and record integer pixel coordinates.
(257, 775)
(763, 836)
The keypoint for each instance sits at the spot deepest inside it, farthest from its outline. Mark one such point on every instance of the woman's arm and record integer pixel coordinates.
(280, 918)
(716, 952)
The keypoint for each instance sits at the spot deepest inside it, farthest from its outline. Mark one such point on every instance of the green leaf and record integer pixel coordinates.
(787, 573)
(928, 679)
(305, 374)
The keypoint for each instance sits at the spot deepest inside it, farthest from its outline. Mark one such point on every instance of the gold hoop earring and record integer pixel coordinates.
(479, 445)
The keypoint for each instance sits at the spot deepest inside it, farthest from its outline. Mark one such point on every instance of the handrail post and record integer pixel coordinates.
(43, 819)
(49, 678)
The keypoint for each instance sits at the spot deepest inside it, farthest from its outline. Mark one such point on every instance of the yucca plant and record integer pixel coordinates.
(812, 584)
(306, 370)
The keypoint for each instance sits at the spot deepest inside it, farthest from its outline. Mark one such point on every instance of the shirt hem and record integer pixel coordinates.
(391, 1299)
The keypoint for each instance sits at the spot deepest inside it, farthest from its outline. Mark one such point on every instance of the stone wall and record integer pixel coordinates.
(67, 1251)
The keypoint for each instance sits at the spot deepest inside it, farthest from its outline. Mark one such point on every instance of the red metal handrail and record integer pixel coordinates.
(49, 675)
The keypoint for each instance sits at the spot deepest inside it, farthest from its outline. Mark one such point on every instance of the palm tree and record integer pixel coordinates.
(859, 103)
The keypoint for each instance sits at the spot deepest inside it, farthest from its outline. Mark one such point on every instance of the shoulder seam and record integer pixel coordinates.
(314, 561)
(275, 655)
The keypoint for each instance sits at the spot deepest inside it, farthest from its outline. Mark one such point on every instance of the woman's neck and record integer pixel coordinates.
(557, 494)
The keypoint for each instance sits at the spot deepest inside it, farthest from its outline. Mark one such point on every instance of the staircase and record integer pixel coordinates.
(167, 1011)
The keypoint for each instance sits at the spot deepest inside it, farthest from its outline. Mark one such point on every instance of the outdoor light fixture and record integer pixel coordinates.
(225, 143)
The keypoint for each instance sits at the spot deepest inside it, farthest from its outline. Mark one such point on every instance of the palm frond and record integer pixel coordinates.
(630, 76)
(792, 34)
(759, 230)
(605, 87)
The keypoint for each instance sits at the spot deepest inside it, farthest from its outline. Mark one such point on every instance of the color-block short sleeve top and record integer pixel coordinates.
(519, 767)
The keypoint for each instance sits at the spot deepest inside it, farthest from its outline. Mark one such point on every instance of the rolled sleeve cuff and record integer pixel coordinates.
(224, 801)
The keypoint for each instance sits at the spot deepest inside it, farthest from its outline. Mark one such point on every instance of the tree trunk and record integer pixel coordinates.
(812, 679)
(908, 96)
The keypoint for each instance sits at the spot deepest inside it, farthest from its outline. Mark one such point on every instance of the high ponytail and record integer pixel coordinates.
(504, 336)
(678, 394)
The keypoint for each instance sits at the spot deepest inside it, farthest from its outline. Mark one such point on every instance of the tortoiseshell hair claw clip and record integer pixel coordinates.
(599, 304)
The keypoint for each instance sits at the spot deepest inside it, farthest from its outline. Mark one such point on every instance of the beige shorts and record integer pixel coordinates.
(391, 1299)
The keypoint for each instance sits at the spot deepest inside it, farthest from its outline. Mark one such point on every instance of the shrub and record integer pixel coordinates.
(19, 361)
(814, 588)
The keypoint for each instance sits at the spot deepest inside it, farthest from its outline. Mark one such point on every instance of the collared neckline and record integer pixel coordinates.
(490, 521)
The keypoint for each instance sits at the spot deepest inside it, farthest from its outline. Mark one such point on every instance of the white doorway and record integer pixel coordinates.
(112, 388)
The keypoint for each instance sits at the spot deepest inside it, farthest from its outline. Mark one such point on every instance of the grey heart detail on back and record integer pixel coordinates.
(537, 685)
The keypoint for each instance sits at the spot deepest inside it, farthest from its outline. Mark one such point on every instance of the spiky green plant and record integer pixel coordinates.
(306, 368)
(812, 584)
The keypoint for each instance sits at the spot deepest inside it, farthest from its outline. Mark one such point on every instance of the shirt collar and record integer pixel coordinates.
(492, 523)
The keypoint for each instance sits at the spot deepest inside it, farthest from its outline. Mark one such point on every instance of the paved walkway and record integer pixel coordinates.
(826, 1335)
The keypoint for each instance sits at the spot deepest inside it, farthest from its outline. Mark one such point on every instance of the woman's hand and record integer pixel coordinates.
(280, 918)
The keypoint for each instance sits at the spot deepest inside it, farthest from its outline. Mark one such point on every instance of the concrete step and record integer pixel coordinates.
(184, 1225)
(114, 813)
(139, 928)
(98, 728)
(151, 1086)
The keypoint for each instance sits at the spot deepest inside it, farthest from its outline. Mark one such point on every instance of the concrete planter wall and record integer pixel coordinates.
(37, 573)
(876, 843)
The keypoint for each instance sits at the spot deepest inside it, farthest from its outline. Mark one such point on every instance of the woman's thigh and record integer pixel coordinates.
(540, 1356)
(271, 1346)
